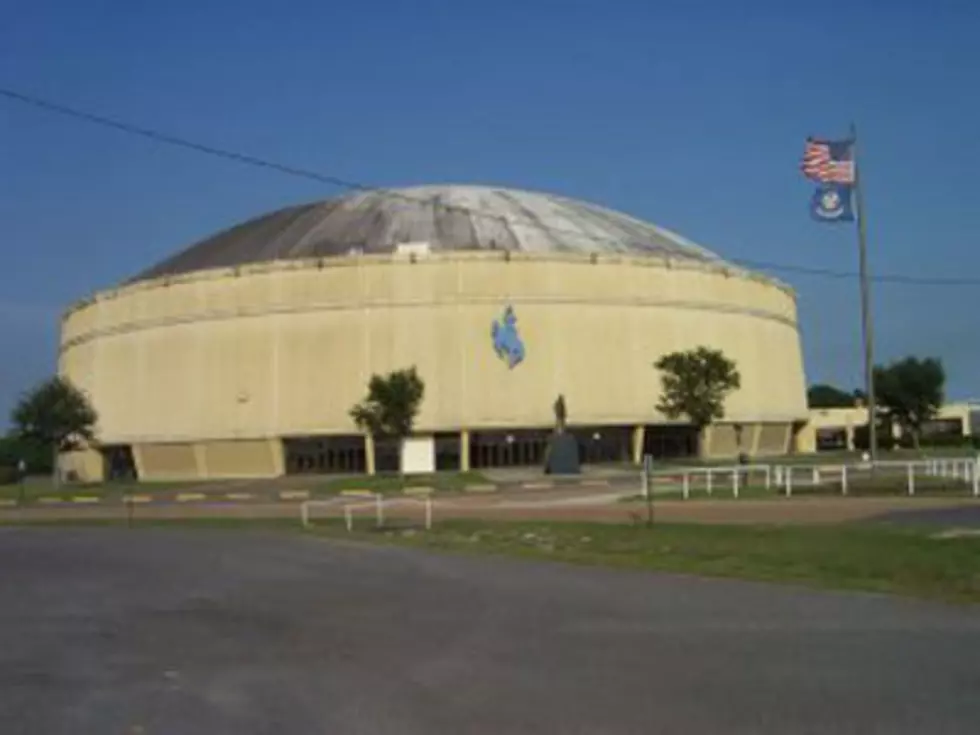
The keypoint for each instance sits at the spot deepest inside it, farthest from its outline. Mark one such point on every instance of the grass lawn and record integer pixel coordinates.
(36, 488)
(393, 484)
(823, 458)
(877, 558)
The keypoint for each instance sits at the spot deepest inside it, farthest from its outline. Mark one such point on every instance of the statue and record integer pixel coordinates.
(561, 456)
(560, 414)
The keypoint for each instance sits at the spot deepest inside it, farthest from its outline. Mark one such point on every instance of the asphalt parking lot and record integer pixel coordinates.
(189, 631)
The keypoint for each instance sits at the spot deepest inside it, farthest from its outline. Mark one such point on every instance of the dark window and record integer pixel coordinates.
(118, 462)
(326, 455)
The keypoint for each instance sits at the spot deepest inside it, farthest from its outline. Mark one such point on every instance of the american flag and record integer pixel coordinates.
(828, 161)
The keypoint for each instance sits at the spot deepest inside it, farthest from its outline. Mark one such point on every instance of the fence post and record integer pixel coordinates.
(735, 483)
(768, 477)
(348, 519)
(645, 477)
(707, 480)
(779, 475)
(976, 481)
(380, 509)
(687, 485)
(428, 514)
(816, 476)
(911, 473)
(305, 514)
(843, 479)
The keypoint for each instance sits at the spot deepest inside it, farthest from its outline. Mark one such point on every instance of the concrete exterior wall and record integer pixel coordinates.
(83, 465)
(220, 359)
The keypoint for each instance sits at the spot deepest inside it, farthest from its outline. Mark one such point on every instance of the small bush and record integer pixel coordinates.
(940, 440)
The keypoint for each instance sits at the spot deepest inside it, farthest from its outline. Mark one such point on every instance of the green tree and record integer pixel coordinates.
(911, 390)
(695, 384)
(54, 417)
(391, 405)
(822, 395)
(14, 449)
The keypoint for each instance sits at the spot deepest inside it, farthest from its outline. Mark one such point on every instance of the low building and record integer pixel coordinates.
(832, 429)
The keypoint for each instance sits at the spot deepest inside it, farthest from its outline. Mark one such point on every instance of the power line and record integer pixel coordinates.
(249, 160)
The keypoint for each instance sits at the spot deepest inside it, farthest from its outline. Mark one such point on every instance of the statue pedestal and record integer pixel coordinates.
(562, 455)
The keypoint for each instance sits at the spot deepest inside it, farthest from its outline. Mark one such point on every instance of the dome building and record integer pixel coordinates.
(242, 355)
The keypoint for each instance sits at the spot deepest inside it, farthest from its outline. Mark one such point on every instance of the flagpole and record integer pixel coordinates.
(866, 329)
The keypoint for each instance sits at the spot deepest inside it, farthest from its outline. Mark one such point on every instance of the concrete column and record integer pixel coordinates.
(639, 434)
(849, 431)
(138, 461)
(755, 439)
(200, 460)
(464, 451)
(278, 456)
(706, 434)
(369, 453)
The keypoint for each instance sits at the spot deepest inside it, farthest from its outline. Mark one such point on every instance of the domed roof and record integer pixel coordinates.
(441, 217)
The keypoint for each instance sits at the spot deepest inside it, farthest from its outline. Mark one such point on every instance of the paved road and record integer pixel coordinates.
(966, 517)
(186, 631)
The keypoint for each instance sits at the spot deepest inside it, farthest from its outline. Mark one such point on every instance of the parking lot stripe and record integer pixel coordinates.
(538, 485)
(480, 488)
(357, 493)
(238, 496)
(294, 494)
(190, 497)
(85, 499)
(140, 498)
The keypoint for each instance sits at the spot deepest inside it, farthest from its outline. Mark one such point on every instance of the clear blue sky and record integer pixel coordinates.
(689, 114)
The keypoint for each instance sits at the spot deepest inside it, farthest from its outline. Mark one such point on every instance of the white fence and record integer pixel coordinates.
(926, 474)
(379, 506)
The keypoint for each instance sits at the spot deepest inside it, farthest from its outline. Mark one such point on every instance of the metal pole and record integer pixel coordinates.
(647, 463)
(866, 327)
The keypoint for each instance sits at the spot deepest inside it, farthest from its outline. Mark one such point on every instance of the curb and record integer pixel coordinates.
(190, 497)
(418, 490)
(357, 493)
(480, 489)
(293, 495)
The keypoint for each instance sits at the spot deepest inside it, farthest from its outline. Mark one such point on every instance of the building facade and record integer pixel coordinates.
(242, 356)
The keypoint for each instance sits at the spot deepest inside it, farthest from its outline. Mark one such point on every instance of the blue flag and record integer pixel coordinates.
(832, 203)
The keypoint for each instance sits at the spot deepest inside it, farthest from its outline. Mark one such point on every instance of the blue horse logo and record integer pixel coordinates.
(506, 341)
